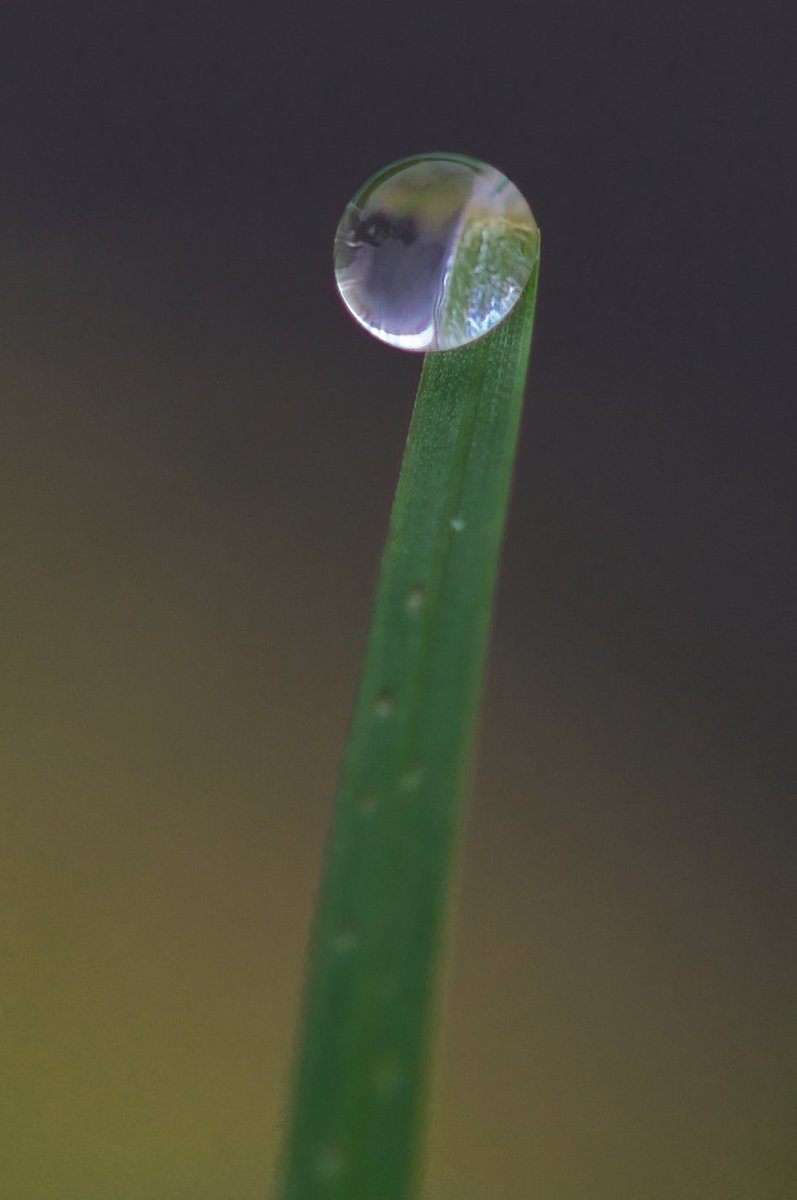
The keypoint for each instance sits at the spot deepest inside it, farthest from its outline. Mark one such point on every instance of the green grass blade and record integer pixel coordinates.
(378, 937)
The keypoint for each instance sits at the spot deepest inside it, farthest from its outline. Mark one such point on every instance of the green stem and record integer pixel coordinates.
(377, 942)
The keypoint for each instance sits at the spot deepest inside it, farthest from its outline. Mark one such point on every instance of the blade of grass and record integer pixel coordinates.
(377, 941)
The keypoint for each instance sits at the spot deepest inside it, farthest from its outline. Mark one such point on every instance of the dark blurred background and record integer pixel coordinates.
(198, 450)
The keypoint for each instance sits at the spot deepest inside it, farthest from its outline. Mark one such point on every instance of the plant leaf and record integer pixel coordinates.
(378, 937)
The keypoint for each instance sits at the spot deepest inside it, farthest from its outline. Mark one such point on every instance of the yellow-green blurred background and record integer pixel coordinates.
(197, 456)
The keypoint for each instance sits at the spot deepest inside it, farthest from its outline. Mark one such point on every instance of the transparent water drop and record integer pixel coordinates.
(434, 251)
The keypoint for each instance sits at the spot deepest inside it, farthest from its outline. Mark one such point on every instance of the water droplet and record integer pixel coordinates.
(457, 524)
(329, 1163)
(415, 599)
(434, 251)
(384, 705)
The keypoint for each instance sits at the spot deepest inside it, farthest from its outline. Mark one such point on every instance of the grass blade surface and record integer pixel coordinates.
(377, 941)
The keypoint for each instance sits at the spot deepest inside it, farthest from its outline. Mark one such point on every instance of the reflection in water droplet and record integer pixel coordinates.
(457, 524)
(434, 251)
(384, 705)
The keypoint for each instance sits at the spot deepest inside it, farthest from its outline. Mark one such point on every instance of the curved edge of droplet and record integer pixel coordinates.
(428, 341)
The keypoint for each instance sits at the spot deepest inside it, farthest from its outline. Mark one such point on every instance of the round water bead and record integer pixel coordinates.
(434, 251)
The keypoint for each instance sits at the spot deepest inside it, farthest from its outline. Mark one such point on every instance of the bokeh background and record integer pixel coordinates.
(198, 450)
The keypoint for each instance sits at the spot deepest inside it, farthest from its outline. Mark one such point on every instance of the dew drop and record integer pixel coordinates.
(434, 251)
(457, 524)
(384, 705)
